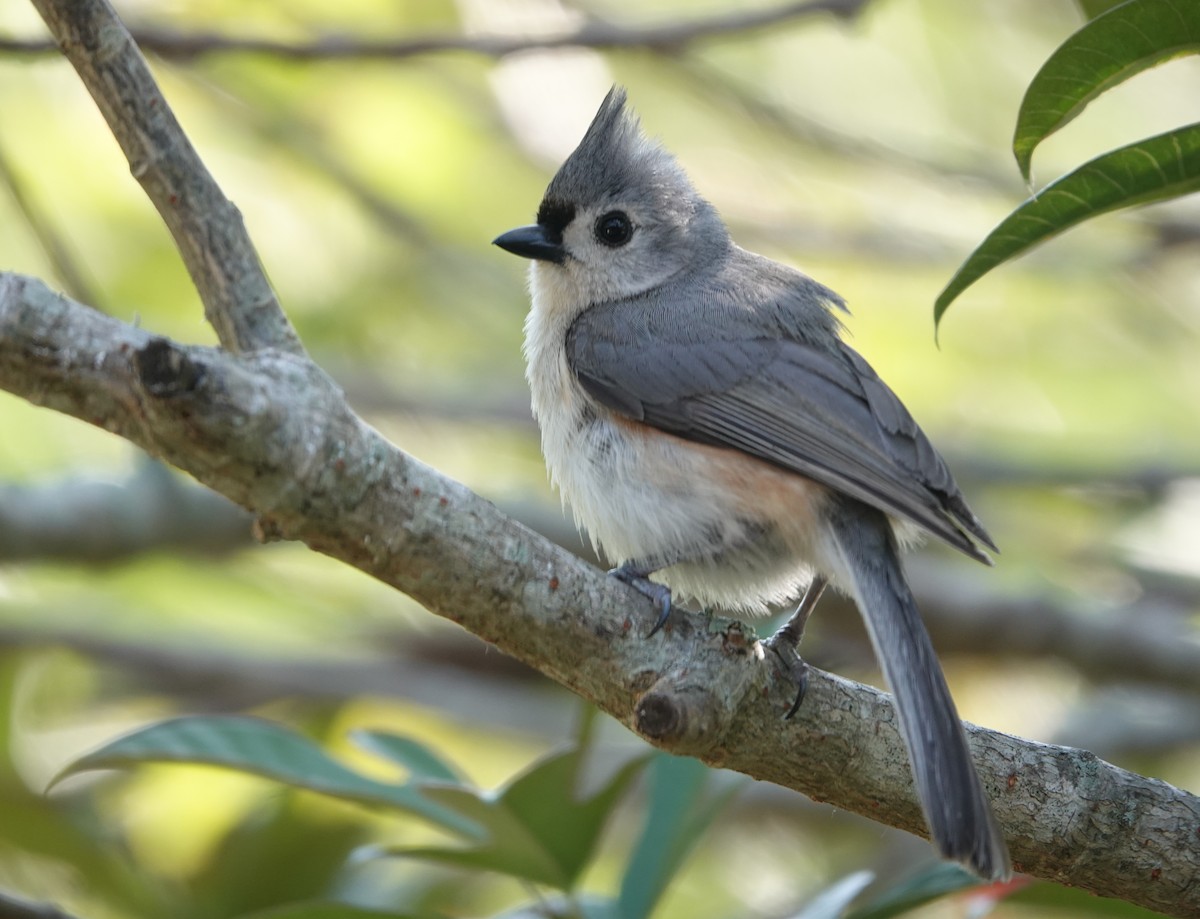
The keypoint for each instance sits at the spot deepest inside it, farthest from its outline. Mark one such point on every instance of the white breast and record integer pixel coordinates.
(559, 404)
(743, 526)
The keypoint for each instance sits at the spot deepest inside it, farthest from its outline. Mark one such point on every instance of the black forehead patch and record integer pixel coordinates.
(554, 215)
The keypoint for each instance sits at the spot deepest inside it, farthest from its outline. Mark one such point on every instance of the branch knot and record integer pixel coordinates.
(165, 370)
(679, 716)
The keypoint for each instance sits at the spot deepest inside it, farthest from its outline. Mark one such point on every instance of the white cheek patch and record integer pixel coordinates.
(597, 273)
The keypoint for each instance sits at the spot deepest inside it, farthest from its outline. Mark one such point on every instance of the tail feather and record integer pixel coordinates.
(957, 811)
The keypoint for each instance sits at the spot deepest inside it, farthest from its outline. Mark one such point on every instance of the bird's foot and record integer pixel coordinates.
(793, 665)
(785, 643)
(636, 577)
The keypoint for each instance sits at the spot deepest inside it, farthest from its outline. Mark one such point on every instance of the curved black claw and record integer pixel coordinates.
(786, 642)
(659, 593)
(794, 666)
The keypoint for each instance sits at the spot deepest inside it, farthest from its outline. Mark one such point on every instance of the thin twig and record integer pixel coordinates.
(54, 247)
(207, 228)
(707, 78)
(594, 34)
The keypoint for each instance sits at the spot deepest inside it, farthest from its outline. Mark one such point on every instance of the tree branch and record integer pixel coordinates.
(271, 431)
(594, 34)
(207, 227)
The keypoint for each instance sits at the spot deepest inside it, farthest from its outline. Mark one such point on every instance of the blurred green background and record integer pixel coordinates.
(872, 153)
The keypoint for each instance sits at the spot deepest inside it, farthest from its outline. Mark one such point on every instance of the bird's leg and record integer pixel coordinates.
(636, 573)
(786, 641)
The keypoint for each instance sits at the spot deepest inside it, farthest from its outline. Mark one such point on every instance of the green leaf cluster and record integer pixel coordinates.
(1119, 43)
(539, 828)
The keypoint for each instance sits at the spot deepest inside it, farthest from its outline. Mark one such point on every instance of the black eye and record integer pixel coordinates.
(614, 229)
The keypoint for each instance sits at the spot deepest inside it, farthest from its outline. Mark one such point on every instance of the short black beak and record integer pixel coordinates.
(531, 242)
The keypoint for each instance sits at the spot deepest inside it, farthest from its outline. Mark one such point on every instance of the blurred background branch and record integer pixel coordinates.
(52, 243)
(668, 37)
(155, 511)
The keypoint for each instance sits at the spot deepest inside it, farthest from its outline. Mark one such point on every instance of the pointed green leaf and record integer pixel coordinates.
(1093, 8)
(938, 880)
(1156, 169)
(567, 906)
(262, 748)
(280, 851)
(679, 812)
(833, 900)
(511, 848)
(418, 759)
(538, 828)
(1110, 49)
(546, 800)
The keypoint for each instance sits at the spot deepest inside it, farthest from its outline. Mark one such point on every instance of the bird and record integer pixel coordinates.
(719, 441)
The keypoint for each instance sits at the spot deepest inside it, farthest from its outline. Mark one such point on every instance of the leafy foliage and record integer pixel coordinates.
(834, 900)
(323, 911)
(1156, 169)
(679, 812)
(1117, 44)
(538, 828)
(925, 886)
(270, 750)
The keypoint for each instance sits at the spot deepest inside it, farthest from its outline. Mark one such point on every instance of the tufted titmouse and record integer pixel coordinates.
(709, 428)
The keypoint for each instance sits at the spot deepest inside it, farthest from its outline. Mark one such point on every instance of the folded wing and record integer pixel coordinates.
(729, 380)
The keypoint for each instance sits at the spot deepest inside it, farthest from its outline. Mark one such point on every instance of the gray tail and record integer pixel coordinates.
(960, 820)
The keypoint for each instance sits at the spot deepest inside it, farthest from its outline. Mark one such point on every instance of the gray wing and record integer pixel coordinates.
(821, 412)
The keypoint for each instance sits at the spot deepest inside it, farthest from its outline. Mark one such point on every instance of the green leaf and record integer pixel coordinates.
(419, 760)
(1156, 169)
(1093, 8)
(538, 829)
(10, 669)
(833, 900)
(1110, 49)
(280, 851)
(511, 848)
(322, 910)
(1048, 898)
(677, 816)
(564, 906)
(937, 881)
(262, 748)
